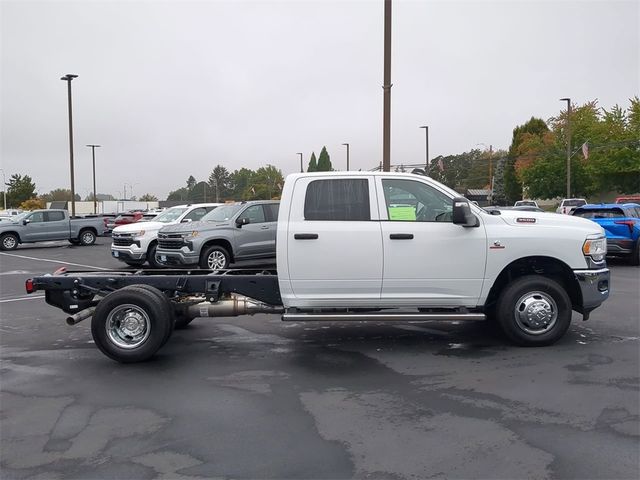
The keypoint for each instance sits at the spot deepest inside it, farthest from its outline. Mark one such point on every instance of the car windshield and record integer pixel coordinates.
(221, 214)
(599, 213)
(170, 215)
(574, 203)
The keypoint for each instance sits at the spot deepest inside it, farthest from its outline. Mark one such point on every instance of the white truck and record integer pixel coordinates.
(364, 246)
(136, 243)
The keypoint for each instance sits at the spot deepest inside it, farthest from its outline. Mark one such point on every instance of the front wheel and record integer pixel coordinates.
(87, 237)
(9, 241)
(131, 324)
(534, 311)
(215, 258)
(151, 256)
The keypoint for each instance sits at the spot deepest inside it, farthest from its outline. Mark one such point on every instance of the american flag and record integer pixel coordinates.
(585, 150)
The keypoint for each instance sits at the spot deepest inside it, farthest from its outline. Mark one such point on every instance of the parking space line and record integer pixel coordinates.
(54, 261)
(21, 298)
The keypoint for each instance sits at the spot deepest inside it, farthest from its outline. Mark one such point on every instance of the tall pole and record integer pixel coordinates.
(93, 154)
(347, 145)
(301, 168)
(386, 122)
(68, 77)
(568, 130)
(426, 149)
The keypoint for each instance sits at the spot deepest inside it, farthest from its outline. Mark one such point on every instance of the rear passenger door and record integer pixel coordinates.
(57, 226)
(257, 238)
(334, 244)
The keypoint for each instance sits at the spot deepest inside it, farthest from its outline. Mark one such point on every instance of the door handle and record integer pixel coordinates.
(305, 236)
(264, 227)
(401, 236)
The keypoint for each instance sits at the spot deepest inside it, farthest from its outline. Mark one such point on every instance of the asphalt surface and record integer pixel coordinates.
(254, 397)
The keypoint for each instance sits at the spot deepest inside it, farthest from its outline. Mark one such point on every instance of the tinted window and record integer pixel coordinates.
(53, 216)
(599, 213)
(412, 201)
(340, 199)
(255, 214)
(272, 211)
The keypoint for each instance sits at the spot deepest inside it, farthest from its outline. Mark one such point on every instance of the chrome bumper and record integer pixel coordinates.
(594, 285)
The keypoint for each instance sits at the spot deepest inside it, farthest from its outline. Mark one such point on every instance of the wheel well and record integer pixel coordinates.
(12, 233)
(151, 244)
(545, 266)
(219, 241)
(91, 229)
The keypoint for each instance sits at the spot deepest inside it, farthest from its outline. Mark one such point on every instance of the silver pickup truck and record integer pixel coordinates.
(46, 225)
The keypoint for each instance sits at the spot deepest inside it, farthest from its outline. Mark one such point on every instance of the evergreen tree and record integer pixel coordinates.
(324, 162)
(498, 196)
(20, 189)
(313, 164)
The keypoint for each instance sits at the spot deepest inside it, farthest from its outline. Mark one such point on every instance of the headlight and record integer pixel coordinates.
(190, 234)
(596, 248)
(138, 234)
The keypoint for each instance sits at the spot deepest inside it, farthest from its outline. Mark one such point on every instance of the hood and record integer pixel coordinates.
(137, 226)
(544, 219)
(191, 226)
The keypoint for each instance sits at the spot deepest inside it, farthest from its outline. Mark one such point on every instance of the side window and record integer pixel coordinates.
(411, 201)
(196, 214)
(272, 211)
(338, 200)
(255, 214)
(36, 217)
(53, 216)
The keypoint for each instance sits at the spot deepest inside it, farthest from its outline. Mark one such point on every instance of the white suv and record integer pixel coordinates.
(568, 205)
(136, 243)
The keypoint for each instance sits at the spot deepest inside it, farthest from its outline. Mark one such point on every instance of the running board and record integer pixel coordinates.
(382, 317)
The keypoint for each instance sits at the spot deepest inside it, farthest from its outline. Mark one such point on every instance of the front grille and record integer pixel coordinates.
(170, 241)
(122, 242)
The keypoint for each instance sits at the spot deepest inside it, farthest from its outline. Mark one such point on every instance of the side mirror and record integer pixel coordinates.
(26, 221)
(186, 220)
(462, 213)
(242, 221)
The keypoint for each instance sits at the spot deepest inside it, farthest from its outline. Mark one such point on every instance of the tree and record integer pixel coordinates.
(267, 183)
(100, 197)
(241, 181)
(324, 162)
(147, 197)
(181, 194)
(201, 193)
(220, 182)
(191, 182)
(498, 196)
(32, 204)
(313, 163)
(60, 195)
(21, 188)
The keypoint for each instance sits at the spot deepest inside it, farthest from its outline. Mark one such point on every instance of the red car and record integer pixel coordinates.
(628, 199)
(124, 219)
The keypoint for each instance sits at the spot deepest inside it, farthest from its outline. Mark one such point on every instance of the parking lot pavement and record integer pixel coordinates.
(254, 397)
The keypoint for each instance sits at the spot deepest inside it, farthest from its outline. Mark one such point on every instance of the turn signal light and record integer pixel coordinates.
(28, 285)
(628, 223)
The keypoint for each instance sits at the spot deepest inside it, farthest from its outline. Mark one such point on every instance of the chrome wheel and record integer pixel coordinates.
(9, 242)
(216, 260)
(128, 326)
(536, 313)
(87, 238)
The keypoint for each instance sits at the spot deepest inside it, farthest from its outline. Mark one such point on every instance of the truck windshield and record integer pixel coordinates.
(170, 215)
(221, 214)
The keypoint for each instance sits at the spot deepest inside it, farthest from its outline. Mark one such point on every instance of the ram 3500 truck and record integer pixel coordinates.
(364, 246)
(46, 225)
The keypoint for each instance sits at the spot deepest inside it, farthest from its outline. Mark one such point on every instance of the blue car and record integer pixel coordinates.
(621, 224)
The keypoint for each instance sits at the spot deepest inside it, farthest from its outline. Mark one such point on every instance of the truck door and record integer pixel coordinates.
(427, 259)
(334, 247)
(57, 226)
(34, 230)
(257, 238)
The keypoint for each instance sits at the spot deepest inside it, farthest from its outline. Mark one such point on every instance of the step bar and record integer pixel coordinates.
(383, 317)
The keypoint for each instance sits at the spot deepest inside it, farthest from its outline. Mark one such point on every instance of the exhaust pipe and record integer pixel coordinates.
(78, 317)
(232, 307)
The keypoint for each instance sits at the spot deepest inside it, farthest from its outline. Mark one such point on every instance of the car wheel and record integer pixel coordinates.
(215, 258)
(130, 324)
(151, 256)
(9, 241)
(534, 311)
(87, 237)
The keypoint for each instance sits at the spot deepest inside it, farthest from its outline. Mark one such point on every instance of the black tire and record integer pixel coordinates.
(215, 258)
(9, 241)
(87, 237)
(535, 295)
(167, 305)
(182, 321)
(74, 241)
(151, 256)
(635, 256)
(150, 318)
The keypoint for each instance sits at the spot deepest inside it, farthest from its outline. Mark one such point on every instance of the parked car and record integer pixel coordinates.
(230, 233)
(136, 243)
(522, 208)
(45, 225)
(124, 219)
(568, 205)
(526, 203)
(628, 199)
(621, 223)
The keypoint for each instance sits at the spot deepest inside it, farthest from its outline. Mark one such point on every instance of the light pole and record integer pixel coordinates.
(426, 149)
(568, 129)
(347, 145)
(386, 87)
(301, 167)
(4, 188)
(93, 154)
(68, 78)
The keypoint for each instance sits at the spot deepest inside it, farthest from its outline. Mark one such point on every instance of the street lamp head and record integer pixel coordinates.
(345, 144)
(69, 77)
(565, 99)
(424, 126)
(93, 145)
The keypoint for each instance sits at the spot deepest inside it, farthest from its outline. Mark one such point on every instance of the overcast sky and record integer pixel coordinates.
(170, 89)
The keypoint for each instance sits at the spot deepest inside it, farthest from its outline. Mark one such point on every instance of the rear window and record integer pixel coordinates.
(338, 200)
(55, 216)
(573, 203)
(599, 213)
